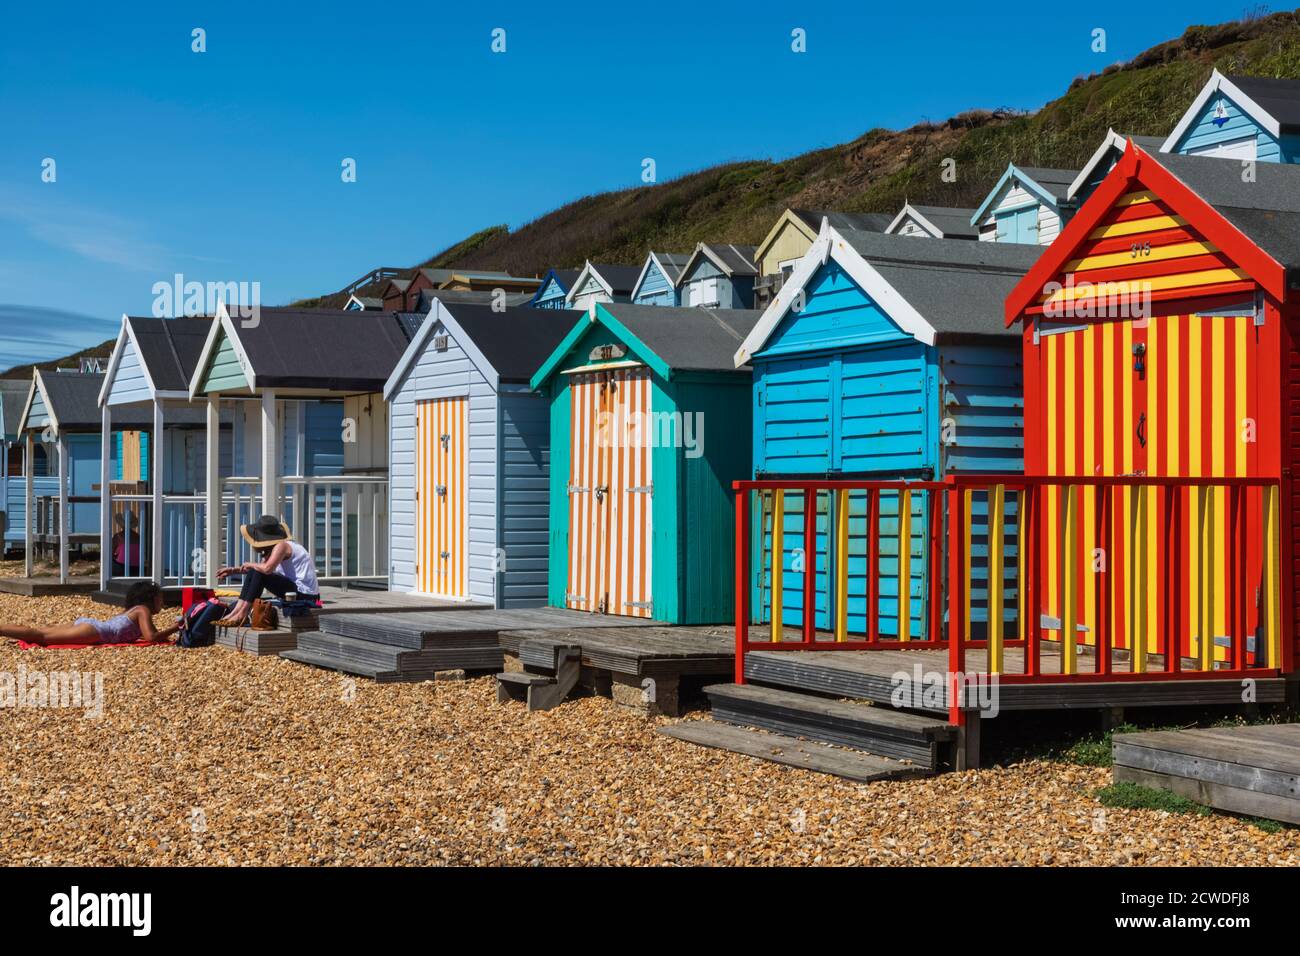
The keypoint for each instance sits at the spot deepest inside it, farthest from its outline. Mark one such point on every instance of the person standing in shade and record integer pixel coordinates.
(284, 567)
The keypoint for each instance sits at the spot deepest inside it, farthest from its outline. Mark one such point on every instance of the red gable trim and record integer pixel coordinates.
(1138, 170)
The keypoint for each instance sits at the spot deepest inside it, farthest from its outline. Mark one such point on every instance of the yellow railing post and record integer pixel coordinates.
(996, 501)
(905, 564)
(1272, 578)
(842, 565)
(778, 562)
(1070, 582)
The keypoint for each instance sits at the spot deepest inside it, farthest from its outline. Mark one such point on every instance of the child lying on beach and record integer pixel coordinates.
(143, 601)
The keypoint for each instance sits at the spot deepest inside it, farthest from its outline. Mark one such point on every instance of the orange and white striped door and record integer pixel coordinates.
(611, 493)
(442, 497)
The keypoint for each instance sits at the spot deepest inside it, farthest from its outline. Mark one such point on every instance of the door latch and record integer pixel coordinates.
(446, 441)
(1139, 359)
(441, 490)
(444, 555)
(601, 492)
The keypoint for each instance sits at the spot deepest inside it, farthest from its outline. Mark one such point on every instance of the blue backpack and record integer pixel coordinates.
(197, 628)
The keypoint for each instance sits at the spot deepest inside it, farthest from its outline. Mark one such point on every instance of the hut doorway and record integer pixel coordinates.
(441, 497)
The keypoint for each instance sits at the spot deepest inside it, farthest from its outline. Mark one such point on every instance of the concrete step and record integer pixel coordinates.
(873, 729)
(793, 752)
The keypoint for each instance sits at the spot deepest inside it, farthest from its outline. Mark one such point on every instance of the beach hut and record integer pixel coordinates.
(303, 388)
(554, 288)
(649, 422)
(718, 277)
(883, 358)
(657, 284)
(13, 395)
(601, 282)
(933, 222)
(1027, 205)
(470, 455)
(62, 412)
(1242, 118)
(790, 237)
(152, 521)
(1103, 160)
(1160, 340)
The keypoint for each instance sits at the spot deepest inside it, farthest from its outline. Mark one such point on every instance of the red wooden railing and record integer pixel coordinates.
(1127, 562)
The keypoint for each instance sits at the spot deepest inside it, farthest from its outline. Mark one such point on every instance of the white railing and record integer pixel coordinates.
(184, 520)
(342, 521)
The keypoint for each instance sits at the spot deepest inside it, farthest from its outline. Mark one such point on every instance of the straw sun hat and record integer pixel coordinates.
(266, 532)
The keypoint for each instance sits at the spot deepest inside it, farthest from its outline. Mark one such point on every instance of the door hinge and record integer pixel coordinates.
(641, 490)
(643, 605)
(577, 489)
(574, 599)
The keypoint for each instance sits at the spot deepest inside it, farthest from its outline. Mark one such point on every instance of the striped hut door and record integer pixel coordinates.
(631, 495)
(442, 497)
(585, 590)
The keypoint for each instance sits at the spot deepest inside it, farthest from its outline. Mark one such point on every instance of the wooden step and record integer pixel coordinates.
(870, 728)
(793, 752)
(257, 643)
(524, 679)
(317, 659)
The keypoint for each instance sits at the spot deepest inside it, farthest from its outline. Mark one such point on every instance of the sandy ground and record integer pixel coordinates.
(209, 757)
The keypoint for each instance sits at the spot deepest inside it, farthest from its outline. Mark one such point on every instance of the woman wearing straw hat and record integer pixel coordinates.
(285, 567)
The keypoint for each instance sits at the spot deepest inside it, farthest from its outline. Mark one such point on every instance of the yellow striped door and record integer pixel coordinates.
(610, 493)
(442, 497)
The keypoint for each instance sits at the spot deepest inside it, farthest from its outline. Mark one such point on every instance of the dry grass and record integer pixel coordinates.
(208, 757)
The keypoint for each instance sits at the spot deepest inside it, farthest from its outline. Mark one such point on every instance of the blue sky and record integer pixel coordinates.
(225, 165)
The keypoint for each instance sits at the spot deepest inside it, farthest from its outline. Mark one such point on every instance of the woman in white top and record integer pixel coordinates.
(285, 567)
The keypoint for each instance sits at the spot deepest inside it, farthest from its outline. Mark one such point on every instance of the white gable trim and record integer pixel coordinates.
(38, 381)
(831, 245)
(114, 360)
(910, 210)
(1218, 83)
(222, 322)
(587, 272)
(645, 270)
(1112, 141)
(1031, 187)
(439, 315)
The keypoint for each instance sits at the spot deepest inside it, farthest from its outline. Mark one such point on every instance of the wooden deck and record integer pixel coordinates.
(648, 650)
(875, 675)
(1253, 770)
(374, 601)
(49, 586)
(639, 664)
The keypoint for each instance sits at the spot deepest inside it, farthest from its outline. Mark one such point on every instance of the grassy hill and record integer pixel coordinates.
(738, 202)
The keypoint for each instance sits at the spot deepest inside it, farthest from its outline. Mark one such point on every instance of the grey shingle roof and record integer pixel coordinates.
(957, 286)
(170, 348)
(621, 279)
(1266, 210)
(673, 263)
(688, 339)
(738, 260)
(1279, 97)
(952, 221)
(74, 402)
(481, 296)
(1055, 181)
(861, 221)
(324, 348)
(13, 395)
(516, 341)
